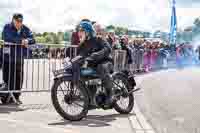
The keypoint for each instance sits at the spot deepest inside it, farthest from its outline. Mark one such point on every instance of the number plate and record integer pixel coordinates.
(58, 72)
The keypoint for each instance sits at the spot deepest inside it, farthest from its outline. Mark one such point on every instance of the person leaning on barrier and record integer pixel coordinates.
(111, 37)
(75, 38)
(124, 45)
(13, 55)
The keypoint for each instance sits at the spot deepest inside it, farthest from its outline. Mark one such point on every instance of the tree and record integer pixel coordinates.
(164, 36)
(45, 34)
(48, 39)
(40, 39)
(146, 34)
(56, 39)
(60, 36)
(121, 30)
(134, 32)
(38, 34)
(34, 34)
(157, 34)
(110, 27)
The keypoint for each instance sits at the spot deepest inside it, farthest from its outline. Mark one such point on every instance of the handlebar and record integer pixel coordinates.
(69, 62)
(68, 65)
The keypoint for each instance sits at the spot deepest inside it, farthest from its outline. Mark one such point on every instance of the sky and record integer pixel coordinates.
(59, 15)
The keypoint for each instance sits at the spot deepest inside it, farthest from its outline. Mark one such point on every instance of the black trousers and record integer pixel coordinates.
(13, 75)
(104, 69)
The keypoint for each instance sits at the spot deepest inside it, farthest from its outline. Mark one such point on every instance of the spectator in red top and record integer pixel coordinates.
(75, 38)
(147, 56)
(154, 55)
(179, 55)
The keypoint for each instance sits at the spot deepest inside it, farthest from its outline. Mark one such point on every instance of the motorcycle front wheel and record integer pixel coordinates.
(124, 103)
(70, 101)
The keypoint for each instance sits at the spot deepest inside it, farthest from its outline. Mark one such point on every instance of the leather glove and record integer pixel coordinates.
(85, 65)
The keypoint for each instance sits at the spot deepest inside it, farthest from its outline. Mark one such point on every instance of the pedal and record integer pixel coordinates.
(106, 107)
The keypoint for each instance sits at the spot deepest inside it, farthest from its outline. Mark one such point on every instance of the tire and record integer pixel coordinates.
(59, 109)
(130, 105)
(4, 98)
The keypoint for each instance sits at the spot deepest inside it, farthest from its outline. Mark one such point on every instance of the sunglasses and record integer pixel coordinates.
(19, 20)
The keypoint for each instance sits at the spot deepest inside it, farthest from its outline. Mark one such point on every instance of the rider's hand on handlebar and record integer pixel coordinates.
(85, 64)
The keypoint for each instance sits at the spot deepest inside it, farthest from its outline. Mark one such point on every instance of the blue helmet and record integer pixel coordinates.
(87, 27)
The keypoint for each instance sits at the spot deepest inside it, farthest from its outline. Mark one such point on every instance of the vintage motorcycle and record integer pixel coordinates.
(72, 101)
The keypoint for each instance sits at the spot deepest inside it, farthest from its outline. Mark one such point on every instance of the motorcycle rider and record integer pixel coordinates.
(97, 53)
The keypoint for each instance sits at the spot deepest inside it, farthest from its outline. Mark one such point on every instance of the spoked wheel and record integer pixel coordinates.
(4, 98)
(70, 101)
(124, 103)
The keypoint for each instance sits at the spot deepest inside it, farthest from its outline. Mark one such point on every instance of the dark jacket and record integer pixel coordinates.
(97, 50)
(11, 35)
(129, 52)
(110, 41)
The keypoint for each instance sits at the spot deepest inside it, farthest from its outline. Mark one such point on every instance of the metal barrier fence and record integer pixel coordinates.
(31, 68)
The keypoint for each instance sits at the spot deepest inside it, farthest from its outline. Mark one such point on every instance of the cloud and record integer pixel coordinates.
(55, 15)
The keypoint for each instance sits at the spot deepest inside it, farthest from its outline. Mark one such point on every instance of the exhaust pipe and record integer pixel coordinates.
(134, 90)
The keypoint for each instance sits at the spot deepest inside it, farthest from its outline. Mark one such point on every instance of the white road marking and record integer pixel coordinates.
(135, 123)
(139, 123)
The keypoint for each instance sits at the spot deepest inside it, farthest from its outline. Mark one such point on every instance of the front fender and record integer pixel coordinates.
(130, 77)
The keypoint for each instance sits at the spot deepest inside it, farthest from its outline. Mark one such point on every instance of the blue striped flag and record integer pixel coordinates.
(173, 29)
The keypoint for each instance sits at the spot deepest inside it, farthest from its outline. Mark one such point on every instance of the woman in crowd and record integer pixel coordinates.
(154, 54)
(147, 56)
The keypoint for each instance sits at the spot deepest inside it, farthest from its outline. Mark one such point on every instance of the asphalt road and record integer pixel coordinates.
(37, 114)
(170, 100)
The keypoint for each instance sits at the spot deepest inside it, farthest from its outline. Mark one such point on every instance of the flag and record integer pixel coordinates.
(173, 28)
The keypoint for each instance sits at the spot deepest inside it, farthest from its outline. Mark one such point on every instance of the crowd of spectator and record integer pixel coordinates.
(187, 55)
(141, 53)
